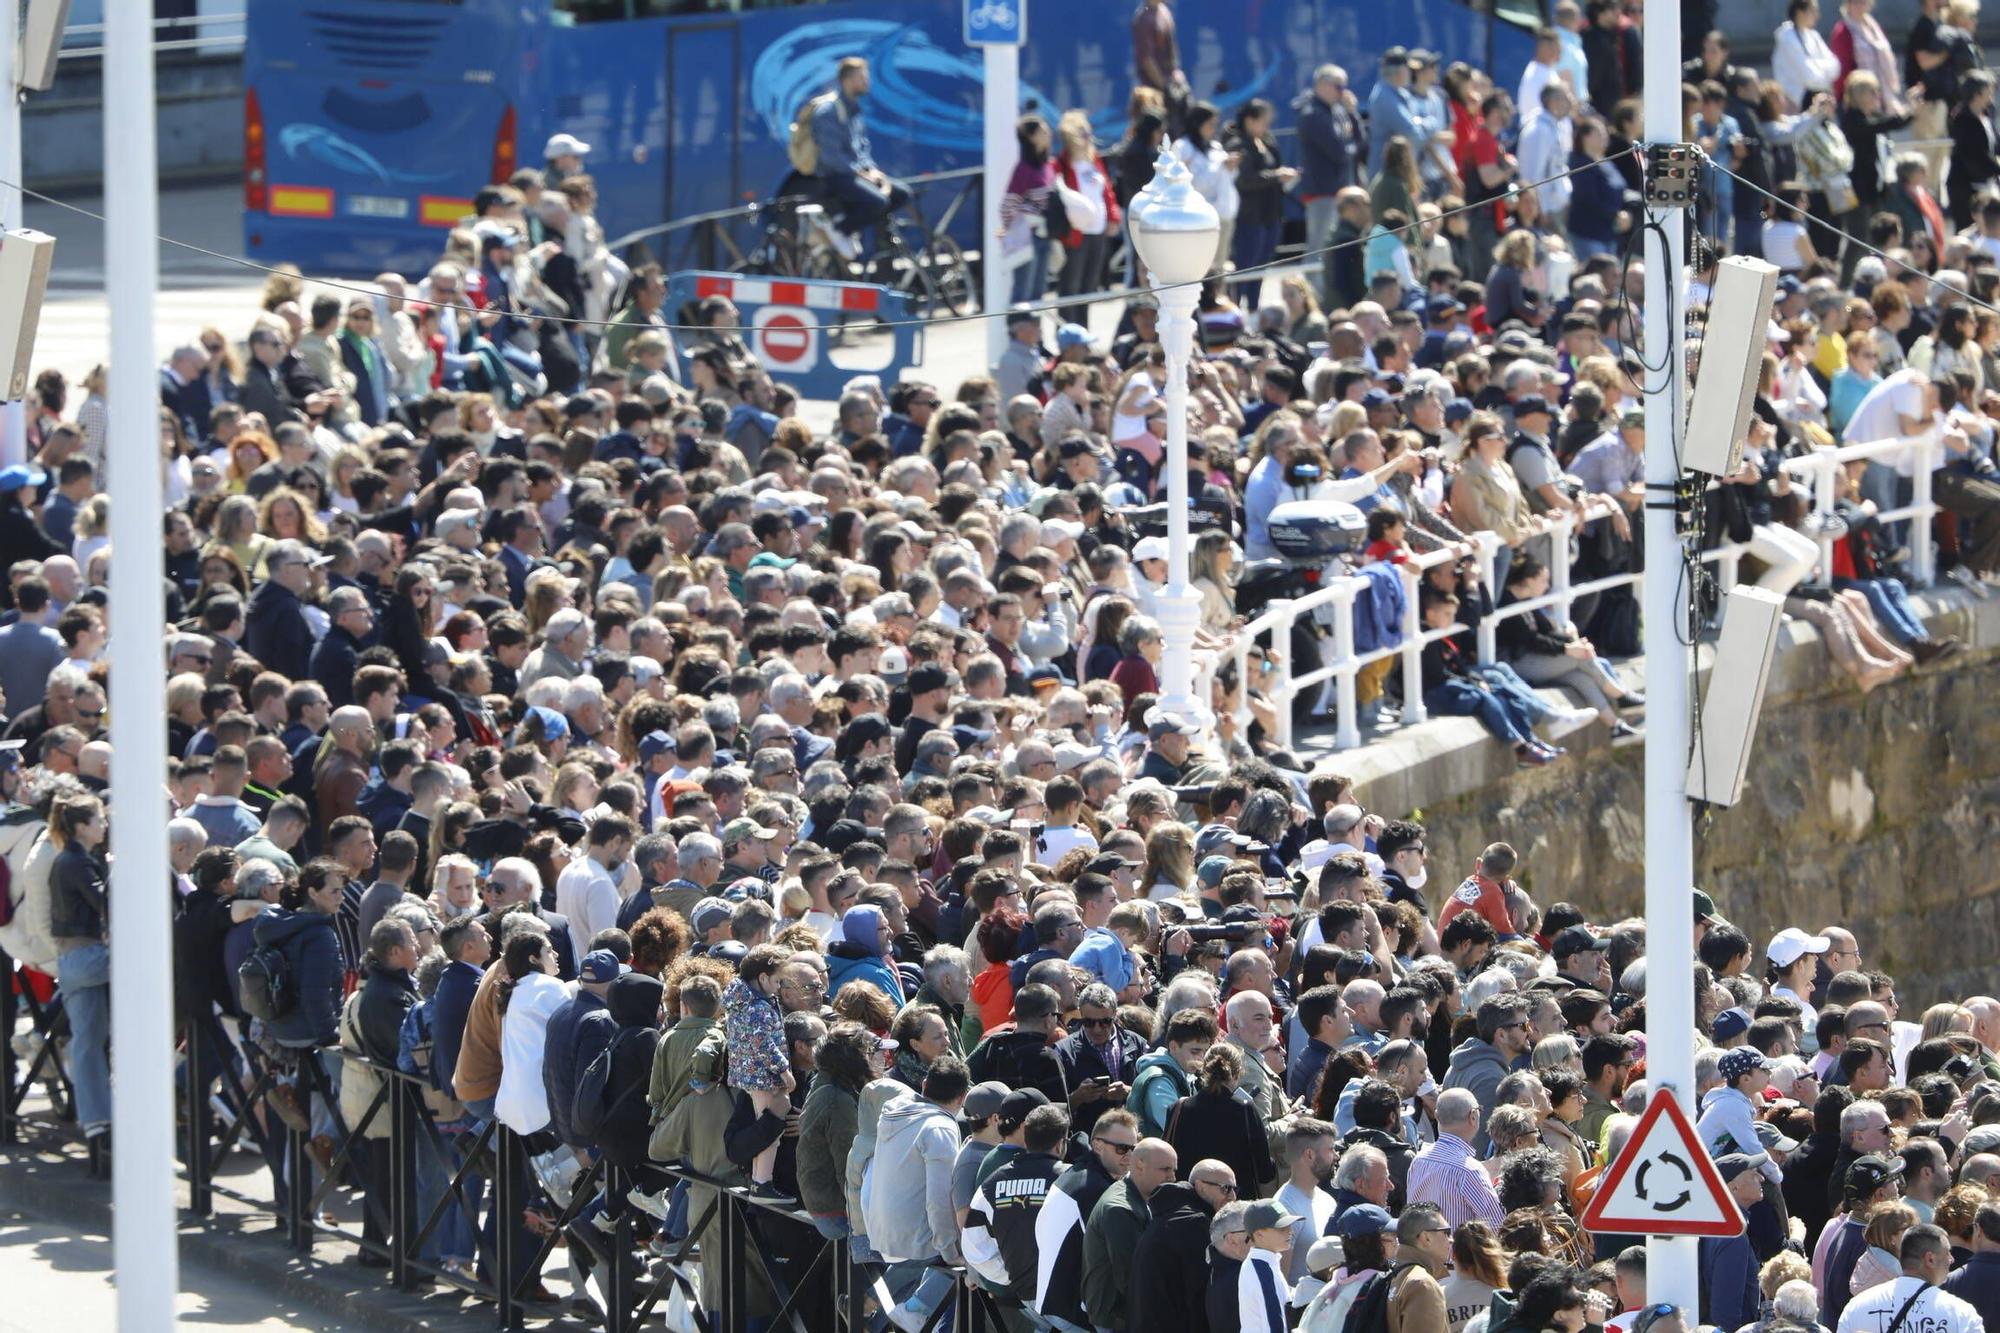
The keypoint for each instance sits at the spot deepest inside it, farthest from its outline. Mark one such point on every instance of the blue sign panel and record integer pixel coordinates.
(996, 22)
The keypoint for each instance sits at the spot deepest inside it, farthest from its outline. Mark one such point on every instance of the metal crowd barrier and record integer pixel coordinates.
(770, 1262)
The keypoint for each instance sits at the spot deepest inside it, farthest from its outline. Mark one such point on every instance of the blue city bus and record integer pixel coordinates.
(369, 125)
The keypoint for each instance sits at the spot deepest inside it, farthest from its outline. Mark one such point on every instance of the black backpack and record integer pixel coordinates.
(593, 1105)
(1370, 1311)
(265, 984)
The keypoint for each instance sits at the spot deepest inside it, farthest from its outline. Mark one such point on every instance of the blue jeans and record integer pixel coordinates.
(452, 1237)
(915, 1283)
(1501, 713)
(85, 977)
(1255, 243)
(1031, 280)
(1890, 602)
(839, 1228)
(1505, 680)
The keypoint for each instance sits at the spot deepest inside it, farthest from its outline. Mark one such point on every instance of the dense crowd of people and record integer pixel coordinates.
(559, 719)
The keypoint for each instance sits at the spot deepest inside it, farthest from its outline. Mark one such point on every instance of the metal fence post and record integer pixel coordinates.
(402, 1147)
(618, 1286)
(201, 1200)
(507, 1204)
(1923, 561)
(1281, 649)
(1413, 652)
(735, 1289)
(298, 1180)
(10, 1133)
(1558, 567)
(1347, 713)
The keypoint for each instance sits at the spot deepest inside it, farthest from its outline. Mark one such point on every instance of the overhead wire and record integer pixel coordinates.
(1049, 307)
(1851, 238)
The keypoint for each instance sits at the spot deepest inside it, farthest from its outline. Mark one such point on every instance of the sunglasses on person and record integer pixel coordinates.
(1122, 1149)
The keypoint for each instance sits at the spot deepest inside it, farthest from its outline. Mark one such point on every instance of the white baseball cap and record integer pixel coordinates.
(1791, 942)
(1150, 548)
(562, 145)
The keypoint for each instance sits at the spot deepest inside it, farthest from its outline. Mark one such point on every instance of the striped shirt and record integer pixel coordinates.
(1445, 1173)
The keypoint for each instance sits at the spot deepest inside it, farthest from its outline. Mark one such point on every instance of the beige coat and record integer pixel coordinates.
(1488, 498)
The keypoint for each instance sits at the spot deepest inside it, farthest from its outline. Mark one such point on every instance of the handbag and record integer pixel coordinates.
(1058, 218)
(360, 1080)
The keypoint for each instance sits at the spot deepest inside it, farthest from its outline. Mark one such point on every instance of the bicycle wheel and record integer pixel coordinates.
(893, 266)
(951, 275)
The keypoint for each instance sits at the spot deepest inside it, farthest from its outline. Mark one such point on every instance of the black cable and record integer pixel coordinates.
(1852, 239)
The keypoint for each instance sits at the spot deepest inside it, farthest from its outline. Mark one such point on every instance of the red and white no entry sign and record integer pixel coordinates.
(786, 338)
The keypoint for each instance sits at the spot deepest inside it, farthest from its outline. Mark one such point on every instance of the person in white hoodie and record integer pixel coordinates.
(906, 1192)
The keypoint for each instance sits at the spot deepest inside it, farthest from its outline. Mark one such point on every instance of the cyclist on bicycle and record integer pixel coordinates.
(848, 176)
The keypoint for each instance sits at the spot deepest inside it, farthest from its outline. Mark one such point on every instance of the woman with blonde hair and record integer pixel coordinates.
(236, 528)
(1308, 323)
(1510, 293)
(547, 593)
(93, 415)
(1884, 1233)
(1209, 572)
(1090, 210)
(1169, 868)
(1942, 1020)
(285, 515)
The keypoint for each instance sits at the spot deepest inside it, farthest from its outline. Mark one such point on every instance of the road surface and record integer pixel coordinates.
(56, 1278)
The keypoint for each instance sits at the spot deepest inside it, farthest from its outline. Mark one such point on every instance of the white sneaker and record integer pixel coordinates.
(1565, 720)
(845, 244)
(653, 1205)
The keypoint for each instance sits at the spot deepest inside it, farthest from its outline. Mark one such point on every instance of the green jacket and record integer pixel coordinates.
(826, 1132)
(696, 1050)
(1109, 1239)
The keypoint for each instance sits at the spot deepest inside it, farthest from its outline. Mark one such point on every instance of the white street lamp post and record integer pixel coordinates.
(1175, 231)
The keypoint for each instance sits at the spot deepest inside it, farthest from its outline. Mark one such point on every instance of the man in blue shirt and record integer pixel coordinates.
(1390, 109)
(847, 170)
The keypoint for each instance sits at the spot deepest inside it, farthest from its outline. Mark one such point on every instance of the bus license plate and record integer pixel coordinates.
(377, 206)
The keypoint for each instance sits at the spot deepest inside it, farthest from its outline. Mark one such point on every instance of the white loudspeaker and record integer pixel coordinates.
(41, 43)
(1735, 696)
(25, 257)
(1732, 350)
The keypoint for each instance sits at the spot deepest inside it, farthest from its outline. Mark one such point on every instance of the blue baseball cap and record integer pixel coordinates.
(599, 965)
(1364, 1219)
(555, 726)
(1457, 410)
(1072, 335)
(21, 474)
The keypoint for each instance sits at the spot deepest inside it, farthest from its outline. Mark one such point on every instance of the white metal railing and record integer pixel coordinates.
(164, 38)
(1820, 472)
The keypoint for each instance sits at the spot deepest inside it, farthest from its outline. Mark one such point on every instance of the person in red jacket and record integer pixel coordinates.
(1484, 891)
(1090, 216)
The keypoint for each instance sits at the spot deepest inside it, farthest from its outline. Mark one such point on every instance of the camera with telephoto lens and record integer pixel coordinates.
(1233, 932)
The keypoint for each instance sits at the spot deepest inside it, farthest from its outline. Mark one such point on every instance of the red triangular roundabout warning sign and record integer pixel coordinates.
(1664, 1183)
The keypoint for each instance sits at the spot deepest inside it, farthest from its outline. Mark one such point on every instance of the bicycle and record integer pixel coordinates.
(799, 241)
(796, 242)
